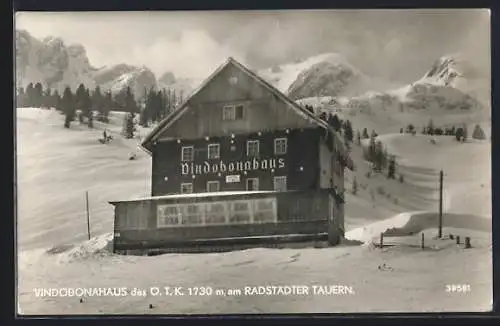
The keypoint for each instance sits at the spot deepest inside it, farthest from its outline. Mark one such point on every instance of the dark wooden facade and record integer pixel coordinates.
(138, 224)
(300, 164)
(312, 164)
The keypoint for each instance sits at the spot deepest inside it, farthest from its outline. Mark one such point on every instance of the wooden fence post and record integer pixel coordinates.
(381, 240)
(422, 242)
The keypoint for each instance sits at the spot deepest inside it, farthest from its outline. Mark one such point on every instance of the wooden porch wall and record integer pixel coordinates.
(298, 213)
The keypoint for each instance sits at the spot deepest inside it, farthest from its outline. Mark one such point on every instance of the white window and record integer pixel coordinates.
(233, 112)
(228, 113)
(280, 183)
(239, 212)
(280, 146)
(216, 213)
(264, 210)
(213, 186)
(187, 153)
(252, 184)
(252, 148)
(168, 215)
(193, 214)
(213, 151)
(186, 188)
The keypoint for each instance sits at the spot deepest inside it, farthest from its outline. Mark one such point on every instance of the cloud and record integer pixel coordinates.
(194, 54)
(396, 45)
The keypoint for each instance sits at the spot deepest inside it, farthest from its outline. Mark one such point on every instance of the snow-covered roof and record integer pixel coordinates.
(171, 118)
(195, 195)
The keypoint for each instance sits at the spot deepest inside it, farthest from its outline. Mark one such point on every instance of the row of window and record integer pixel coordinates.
(253, 149)
(230, 212)
(251, 184)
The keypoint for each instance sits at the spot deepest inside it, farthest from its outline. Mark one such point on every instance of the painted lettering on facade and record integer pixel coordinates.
(237, 166)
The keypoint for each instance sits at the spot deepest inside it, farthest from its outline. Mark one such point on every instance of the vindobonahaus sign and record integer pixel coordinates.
(237, 166)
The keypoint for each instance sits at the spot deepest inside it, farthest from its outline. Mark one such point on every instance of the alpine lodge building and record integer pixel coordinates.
(237, 165)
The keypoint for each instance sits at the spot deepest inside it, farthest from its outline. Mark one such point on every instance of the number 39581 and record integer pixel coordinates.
(458, 288)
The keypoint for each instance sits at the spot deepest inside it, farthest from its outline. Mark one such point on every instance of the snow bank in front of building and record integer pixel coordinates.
(410, 223)
(95, 247)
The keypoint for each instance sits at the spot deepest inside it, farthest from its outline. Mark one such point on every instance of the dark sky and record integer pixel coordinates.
(399, 45)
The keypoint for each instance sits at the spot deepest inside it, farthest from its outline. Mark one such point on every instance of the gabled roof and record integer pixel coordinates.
(172, 117)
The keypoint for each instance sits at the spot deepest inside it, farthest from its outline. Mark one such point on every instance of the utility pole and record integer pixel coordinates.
(88, 215)
(440, 231)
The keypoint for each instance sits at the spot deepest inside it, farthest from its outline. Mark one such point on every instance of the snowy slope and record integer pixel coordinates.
(56, 166)
(117, 78)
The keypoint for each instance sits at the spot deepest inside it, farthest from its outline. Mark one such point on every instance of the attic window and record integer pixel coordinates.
(232, 112)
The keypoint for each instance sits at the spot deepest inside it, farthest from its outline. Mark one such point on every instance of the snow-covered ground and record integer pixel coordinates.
(56, 166)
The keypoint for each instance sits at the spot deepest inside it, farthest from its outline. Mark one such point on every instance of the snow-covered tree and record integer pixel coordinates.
(478, 133)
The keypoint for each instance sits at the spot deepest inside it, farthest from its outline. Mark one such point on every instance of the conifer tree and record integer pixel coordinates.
(430, 127)
(55, 100)
(478, 133)
(391, 173)
(98, 102)
(354, 186)
(21, 98)
(159, 105)
(148, 109)
(38, 95)
(174, 99)
(378, 156)
(46, 98)
(348, 133)
(365, 134)
(410, 128)
(372, 149)
(168, 100)
(68, 107)
(80, 99)
(385, 158)
(107, 105)
(129, 125)
(30, 95)
(89, 109)
(165, 109)
(130, 103)
(459, 134)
